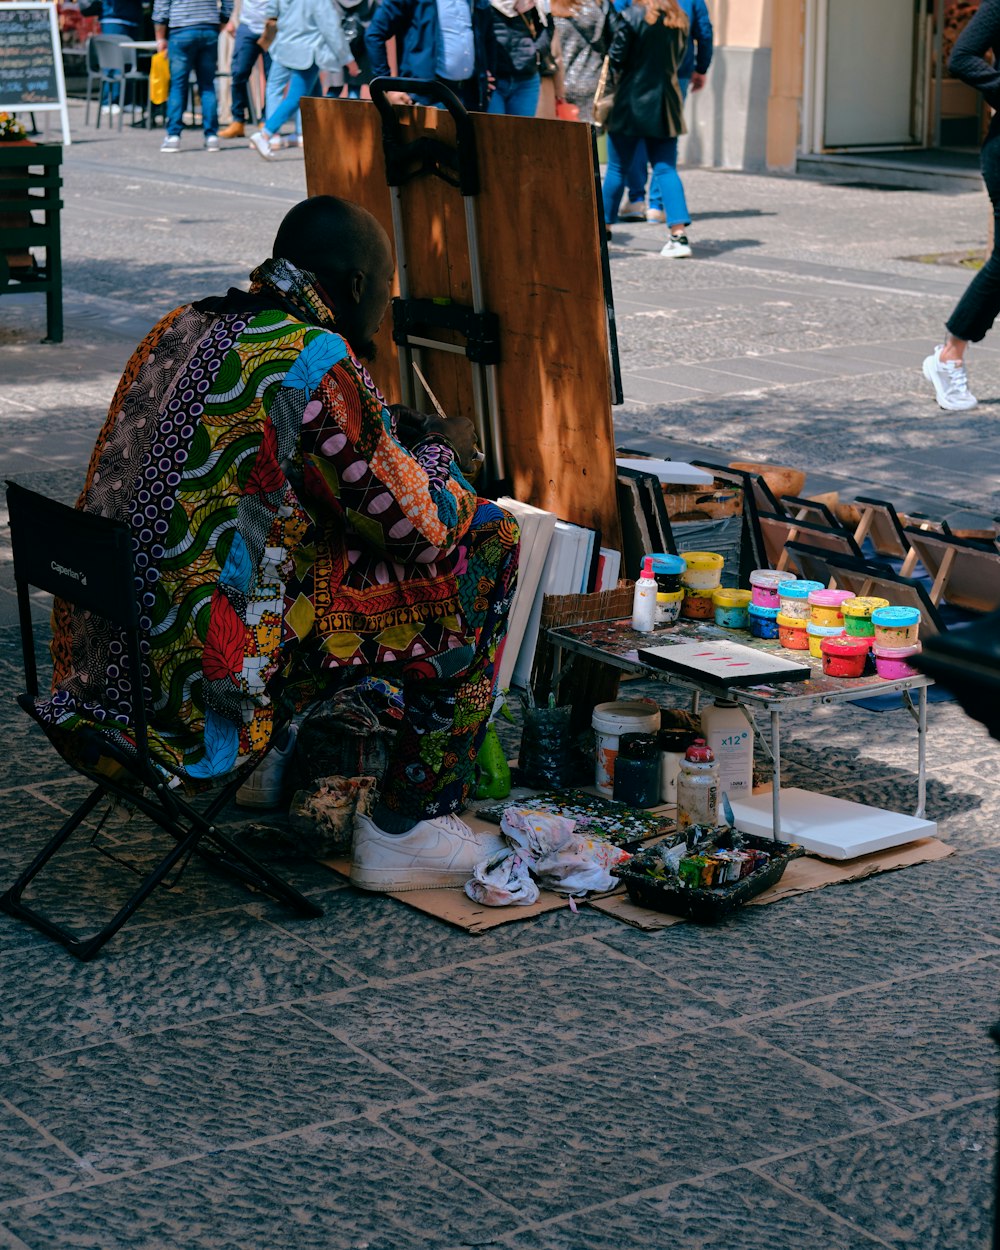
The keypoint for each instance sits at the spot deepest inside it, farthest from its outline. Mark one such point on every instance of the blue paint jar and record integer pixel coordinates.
(731, 608)
(763, 621)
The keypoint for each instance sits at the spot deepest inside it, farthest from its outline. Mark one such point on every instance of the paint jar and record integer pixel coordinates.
(858, 614)
(794, 597)
(610, 721)
(792, 632)
(844, 656)
(698, 605)
(672, 743)
(668, 608)
(892, 663)
(637, 770)
(698, 786)
(731, 608)
(667, 570)
(764, 585)
(826, 606)
(896, 627)
(763, 621)
(704, 569)
(816, 634)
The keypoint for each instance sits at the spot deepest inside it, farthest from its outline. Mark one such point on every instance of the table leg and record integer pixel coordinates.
(696, 703)
(776, 775)
(921, 754)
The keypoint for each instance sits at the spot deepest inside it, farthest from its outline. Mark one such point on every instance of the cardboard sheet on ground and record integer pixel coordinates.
(801, 876)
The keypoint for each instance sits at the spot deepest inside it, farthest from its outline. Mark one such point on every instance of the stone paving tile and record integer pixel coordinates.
(145, 1101)
(926, 1183)
(842, 938)
(919, 1043)
(32, 1164)
(635, 1137)
(737, 1210)
(445, 1031)
(151, 977)
(350, 1186)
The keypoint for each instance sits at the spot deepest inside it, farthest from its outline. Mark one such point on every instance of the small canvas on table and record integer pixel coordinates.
(724, 663)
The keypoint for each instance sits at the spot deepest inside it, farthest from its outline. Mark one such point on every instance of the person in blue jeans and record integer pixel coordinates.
(691, 75)
(520, 34)
(118, 17)
(193, 44)
(646, 52)
(246, 51)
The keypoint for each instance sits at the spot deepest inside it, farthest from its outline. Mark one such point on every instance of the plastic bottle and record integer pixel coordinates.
(644, 599)
(637, 770)
(727, 732)
(672, 743)
(698, 787)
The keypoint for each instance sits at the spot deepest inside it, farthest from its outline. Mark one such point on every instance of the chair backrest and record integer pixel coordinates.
(782, 532)
(85, 560)
(111, 54)
(880, 523)
(964, 573)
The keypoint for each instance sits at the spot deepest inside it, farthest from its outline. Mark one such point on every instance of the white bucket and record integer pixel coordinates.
(610, 721)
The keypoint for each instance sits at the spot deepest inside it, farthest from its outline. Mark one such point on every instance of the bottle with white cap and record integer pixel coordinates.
(644, 599)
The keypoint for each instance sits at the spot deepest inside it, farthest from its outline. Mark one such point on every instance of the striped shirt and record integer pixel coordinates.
(180, 13)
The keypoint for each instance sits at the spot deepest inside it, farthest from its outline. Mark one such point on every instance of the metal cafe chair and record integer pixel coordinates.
(87, 561)
(117, 63)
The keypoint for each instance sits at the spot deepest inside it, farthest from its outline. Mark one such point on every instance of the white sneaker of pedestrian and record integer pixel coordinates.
(632, 210)
(172, 143)
(950, 382)
(676, 247)
(266, 784)
(110, 110)
(211, 143)
(277, 142)
(433, 855)
(258, 141)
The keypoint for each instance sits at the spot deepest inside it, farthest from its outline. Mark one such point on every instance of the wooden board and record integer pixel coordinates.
(540, 254)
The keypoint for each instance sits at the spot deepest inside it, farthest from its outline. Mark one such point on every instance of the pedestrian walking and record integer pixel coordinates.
(191, 44)
(647, 51)
(444, 42)
(247, 49)
(976, 311)
(520, 37)
(585, 29)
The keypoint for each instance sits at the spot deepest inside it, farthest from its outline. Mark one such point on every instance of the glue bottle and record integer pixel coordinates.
(698, 787)
(728, 732)
(644, 599)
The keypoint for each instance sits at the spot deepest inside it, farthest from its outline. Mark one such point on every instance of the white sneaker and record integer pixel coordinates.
(258, 141)
(434, 854)
(276, 143)
(211, 143)
(676, 247)
(110, 110)
(265, 786)
(950, 382)
(632, 210)
(657, 215)
(172, 143)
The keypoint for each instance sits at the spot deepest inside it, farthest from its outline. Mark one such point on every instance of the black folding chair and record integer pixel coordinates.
(87, 561)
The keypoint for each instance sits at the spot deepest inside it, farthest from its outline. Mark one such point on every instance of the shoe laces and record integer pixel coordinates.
(454, 824)
(958, 378)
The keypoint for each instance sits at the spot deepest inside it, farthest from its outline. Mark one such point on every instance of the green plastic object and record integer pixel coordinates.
(492, 770)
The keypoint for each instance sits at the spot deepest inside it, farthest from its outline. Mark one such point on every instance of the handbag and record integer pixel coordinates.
(604, 96)
(566, 112)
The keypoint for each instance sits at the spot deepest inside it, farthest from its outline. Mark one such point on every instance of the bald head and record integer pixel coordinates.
(349, 252)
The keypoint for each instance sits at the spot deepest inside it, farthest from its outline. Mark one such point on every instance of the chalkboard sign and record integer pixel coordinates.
(31, 71)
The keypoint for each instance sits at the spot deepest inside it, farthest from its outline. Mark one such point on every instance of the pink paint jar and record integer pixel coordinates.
(892, 663)
(896, 627)
(825, 606)
(844, 656)
(792, 633)
(764, 585)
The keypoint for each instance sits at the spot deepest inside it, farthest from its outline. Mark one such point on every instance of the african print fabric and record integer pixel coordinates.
(281, 532)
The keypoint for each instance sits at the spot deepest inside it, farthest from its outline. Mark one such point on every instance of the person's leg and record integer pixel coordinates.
(637, 171)
(205, 66)
(278, 78)
(245, 53)
(522, 98)
(663, 154)
(179, 54)
(111, 93)
(655, 199)
(302, 82)
(431, 768)
(621, 151)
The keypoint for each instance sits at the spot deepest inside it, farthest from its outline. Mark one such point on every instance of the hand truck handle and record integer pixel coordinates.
(434, 156)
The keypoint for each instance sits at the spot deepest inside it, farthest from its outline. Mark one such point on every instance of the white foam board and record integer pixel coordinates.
(677, 471)
(828, 826)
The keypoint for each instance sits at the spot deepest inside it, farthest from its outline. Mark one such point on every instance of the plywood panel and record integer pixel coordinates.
(539, 245)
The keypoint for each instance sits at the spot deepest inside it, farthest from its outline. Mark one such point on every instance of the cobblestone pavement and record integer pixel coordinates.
(812, 1074)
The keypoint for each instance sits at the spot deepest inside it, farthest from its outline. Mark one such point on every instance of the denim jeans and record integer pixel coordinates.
(663, 155)
(112, 26)
(192, 48)
(301, 82)
(640, 166)
(977, 309)
(278, 79)
(517, 97)
(246, 50)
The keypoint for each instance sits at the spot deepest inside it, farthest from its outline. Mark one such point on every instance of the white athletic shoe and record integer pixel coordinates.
(211, 143)
(632, 210)
(262, 146)
(110, 110)
(434, 854)
(950, 382)
(265, 787)
(676, 247)
(172, 143)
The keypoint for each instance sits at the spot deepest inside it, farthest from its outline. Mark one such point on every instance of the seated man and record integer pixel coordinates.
(287, 534)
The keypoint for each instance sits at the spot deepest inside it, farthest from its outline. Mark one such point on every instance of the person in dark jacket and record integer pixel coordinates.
(445, 40)
(646, 53)
(976, 311)
(520, 37)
